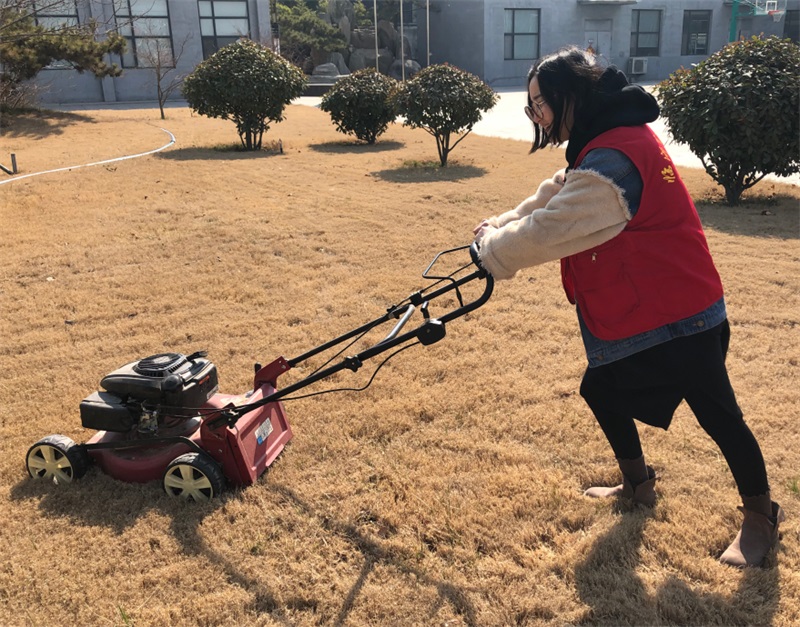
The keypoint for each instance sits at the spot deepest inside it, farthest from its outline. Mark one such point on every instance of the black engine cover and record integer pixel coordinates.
(171, 382)
(106, 412)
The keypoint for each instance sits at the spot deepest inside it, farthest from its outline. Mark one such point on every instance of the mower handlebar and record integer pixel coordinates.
(428, 332)
(400, 324)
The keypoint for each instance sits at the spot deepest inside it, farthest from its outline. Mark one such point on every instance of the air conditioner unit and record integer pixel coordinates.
(637, 65)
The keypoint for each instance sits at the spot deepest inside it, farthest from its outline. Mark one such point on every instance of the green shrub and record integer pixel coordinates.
(247, 83)
(361, 104)
(737, 111)
(444, 100)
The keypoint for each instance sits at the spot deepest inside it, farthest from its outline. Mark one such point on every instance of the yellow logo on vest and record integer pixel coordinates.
(668, 174)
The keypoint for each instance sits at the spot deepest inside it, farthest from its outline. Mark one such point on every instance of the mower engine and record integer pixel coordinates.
(161, 389)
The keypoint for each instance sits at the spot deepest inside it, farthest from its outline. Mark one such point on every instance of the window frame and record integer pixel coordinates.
(211, 43)
(691, 19)
(132, 58)
(39, 14)
(513, 35)
(791, 25)
(57, 21)
(636, 33)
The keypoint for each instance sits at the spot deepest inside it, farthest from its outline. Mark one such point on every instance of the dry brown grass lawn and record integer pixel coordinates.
(449, 492)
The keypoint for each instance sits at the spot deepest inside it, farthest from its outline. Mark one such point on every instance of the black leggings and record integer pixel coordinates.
(649, 385)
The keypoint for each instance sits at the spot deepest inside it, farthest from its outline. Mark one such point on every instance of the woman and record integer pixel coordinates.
(635, 262)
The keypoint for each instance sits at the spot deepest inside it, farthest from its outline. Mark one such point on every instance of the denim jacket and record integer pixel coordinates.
(616, 166)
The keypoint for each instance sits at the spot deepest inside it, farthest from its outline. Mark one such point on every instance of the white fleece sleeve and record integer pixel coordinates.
(589, 210)
(547, 189)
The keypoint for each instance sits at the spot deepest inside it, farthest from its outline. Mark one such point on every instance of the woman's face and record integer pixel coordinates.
(541, 113)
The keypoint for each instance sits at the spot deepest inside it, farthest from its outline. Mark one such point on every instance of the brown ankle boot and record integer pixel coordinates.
(642, 491)
(759, 533)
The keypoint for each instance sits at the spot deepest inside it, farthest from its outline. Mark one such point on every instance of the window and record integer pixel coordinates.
(521, 34)
(222, 22)
(791, 26)
(145, 26)
(696, 26)
(409, 15)
(54, 14)
(645, 33)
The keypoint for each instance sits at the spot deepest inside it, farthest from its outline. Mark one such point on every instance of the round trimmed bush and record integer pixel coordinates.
(444, 100)
(247, 83)
(361, 104)
(737, 111)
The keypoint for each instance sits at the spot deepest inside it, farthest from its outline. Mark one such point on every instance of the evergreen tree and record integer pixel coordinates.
(303, 32)
(27, 47)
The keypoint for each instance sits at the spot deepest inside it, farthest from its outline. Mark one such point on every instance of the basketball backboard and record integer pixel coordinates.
(767, 7)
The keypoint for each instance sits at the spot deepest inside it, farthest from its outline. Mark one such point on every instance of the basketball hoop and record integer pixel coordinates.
(776, 15)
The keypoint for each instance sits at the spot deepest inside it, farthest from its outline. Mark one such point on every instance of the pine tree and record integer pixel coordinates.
(27, 47)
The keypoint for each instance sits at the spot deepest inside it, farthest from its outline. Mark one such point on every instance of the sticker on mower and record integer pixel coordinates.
(262, 433)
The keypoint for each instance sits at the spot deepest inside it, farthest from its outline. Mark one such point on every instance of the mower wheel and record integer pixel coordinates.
(57, 459)
(194, 476)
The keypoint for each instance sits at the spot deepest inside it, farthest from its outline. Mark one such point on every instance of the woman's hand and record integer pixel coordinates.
(483, 229)
(480, 226)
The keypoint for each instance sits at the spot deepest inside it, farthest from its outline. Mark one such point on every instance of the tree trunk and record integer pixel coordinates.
(161, 98)
(443, 147)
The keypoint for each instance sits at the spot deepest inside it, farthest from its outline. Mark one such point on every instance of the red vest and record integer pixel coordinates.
(659, 269)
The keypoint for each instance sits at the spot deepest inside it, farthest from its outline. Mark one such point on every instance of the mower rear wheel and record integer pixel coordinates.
(194, 476)
(58, 459)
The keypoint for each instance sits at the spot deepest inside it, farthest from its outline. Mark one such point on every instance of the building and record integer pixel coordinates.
(165, 33)
(497, 40)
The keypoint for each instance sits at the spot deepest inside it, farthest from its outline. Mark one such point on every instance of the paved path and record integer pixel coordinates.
(507, 120)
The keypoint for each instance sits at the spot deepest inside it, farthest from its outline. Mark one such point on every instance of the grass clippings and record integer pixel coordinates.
(449, 492)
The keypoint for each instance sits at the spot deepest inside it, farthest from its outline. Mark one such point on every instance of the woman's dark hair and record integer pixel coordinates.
(566, 81)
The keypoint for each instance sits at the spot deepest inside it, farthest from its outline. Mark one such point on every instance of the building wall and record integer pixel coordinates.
(565, 22)
(58, 85)
(466, 33)
(457, 34)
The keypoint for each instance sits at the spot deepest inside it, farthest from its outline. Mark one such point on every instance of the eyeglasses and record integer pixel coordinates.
(535, 109)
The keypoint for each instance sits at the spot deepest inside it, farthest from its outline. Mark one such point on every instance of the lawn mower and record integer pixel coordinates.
(163, 418)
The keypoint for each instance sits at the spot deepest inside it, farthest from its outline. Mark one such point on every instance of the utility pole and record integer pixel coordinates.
(375, 16)
(734, 18)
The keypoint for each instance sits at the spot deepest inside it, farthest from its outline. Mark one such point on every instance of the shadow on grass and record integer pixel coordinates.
(345, 147)
(768, 216)
(98, 500)
(40, 124)
(608, 582)
(424, 172)
(376, 552)
(220, 153)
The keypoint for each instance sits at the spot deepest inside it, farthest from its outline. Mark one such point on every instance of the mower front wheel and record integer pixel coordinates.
(194, 477)
(58, 459)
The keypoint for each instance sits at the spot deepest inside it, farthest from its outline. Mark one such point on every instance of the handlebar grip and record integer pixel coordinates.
(475, 255)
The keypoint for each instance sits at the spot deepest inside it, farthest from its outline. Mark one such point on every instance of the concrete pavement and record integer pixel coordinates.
(508, 121)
